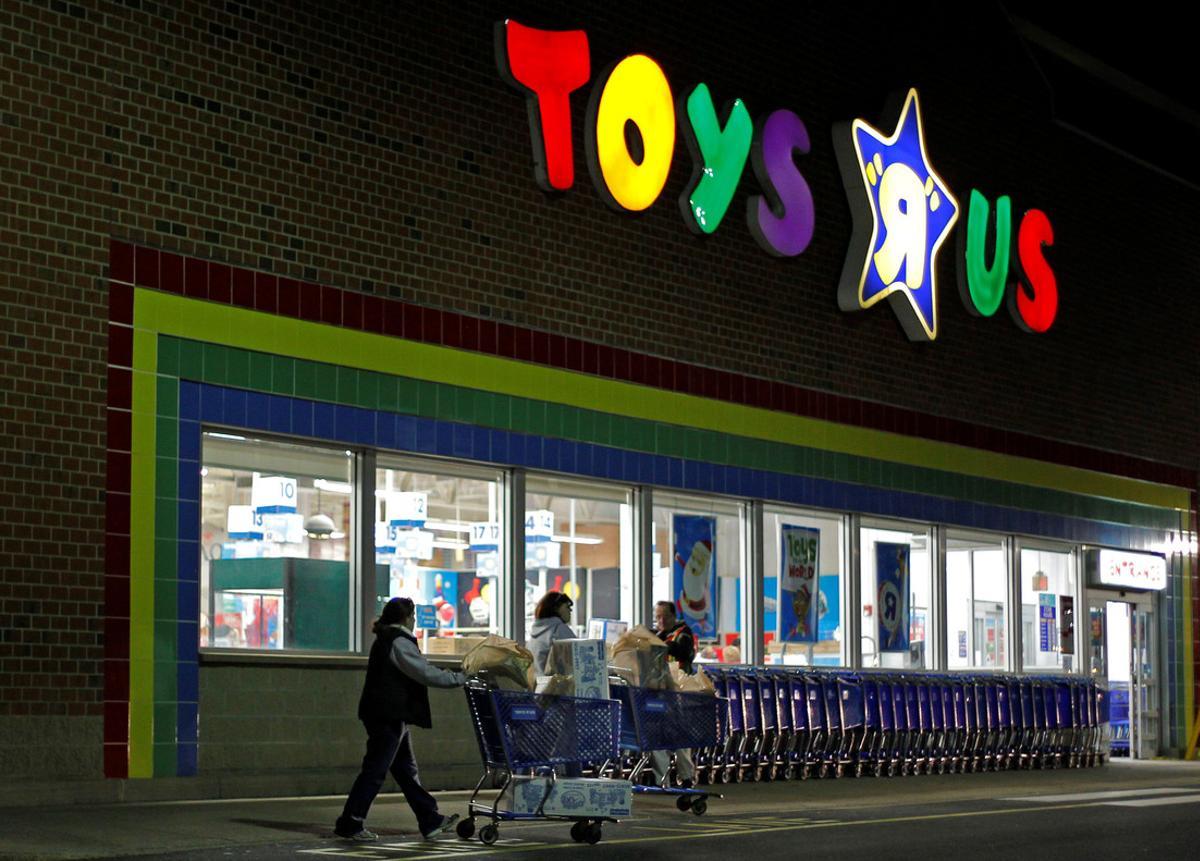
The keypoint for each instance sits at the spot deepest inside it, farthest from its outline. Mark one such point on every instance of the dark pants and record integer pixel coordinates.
(389, 748)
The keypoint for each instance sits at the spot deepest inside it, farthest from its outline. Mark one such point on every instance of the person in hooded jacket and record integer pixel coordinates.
(395, 696)
(550, 619)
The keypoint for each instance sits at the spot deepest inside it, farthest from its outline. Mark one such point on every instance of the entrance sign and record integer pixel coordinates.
(1131, 570)
(901, 218)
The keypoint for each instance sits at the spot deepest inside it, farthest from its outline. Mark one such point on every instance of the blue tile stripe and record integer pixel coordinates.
(236, 408)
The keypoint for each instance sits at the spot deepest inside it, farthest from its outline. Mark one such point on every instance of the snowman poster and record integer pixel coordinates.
(695, 572)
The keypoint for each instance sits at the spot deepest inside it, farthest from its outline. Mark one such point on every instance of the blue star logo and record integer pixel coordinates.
(905, 217)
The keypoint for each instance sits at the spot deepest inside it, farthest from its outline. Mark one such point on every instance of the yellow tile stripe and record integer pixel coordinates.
(141, 555)
(1191, 720)
(179, 316)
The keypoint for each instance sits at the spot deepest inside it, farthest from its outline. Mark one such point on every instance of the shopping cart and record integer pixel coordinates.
(520, 732)
(668, 720)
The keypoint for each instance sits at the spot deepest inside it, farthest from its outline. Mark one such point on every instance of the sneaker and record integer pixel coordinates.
(446, 824)
(362, 835)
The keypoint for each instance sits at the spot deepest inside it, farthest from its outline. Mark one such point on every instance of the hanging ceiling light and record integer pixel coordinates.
(319, 526)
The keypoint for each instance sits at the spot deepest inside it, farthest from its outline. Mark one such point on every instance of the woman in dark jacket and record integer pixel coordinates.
(395, 695)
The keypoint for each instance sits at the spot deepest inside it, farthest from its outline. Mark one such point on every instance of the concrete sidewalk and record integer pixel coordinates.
(131, 829)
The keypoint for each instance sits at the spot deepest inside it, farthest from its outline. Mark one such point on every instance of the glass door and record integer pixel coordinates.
(1144, 681)
(1121, 652)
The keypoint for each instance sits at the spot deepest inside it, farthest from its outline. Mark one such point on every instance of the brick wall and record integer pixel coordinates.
(276, 719)
(372, 146)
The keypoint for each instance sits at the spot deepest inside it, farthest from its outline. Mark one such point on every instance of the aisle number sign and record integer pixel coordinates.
(485, 536)
(539, 525)
(408, 508)
(904, 211)
(273, 494)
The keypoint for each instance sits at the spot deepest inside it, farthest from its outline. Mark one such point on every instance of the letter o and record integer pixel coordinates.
(634, 90)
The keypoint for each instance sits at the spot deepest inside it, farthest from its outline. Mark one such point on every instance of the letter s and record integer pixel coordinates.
(1034, 304)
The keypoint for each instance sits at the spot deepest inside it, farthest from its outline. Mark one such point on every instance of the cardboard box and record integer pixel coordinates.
(580, 668)
(608, 630)
(570, 796)
(451, 646)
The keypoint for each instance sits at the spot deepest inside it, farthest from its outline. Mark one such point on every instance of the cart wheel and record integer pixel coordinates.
(489, 834)
(683, 802)
(789, 773)
(858, 769)
(577, 830)
(466, 828)
(805, 772)
(823, 771)
(592, 833)
(699, 806)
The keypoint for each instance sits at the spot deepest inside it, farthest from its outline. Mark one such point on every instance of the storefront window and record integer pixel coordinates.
(579, 541)
(698, 566)
(1048, 592)
(275, 527)
(896, 581)
(976, 603)
(803, 574)
(438, 541)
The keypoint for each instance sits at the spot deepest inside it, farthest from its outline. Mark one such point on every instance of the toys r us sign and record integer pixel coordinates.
(903, 210)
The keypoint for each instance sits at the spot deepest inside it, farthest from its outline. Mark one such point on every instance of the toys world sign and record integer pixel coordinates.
(903, 210)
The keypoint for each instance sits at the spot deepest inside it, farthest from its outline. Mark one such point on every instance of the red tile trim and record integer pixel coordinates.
(264, 292)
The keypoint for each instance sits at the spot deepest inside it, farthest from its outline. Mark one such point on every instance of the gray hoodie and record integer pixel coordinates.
(541, 635)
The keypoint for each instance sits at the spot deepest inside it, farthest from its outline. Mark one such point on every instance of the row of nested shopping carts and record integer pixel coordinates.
(779, 723)
(785, 723)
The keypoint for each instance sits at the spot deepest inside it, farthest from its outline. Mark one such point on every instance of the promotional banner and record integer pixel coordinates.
(1046, 623)
(799, 600)
(891, 576)
(829, 611)
(695, 572)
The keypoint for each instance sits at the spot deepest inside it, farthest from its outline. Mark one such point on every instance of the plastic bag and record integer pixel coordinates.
(639, 657)
(692, 683)
(501, 663)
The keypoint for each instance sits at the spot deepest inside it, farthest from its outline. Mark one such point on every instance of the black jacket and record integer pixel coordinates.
(388, 695)
(681, 645)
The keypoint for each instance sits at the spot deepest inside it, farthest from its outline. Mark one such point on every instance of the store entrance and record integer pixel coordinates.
(1122, 638)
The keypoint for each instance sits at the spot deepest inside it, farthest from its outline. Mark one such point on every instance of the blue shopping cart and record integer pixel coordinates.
(654, 720)
(520, 732)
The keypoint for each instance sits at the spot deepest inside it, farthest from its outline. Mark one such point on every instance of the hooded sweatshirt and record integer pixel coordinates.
(542, 634)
